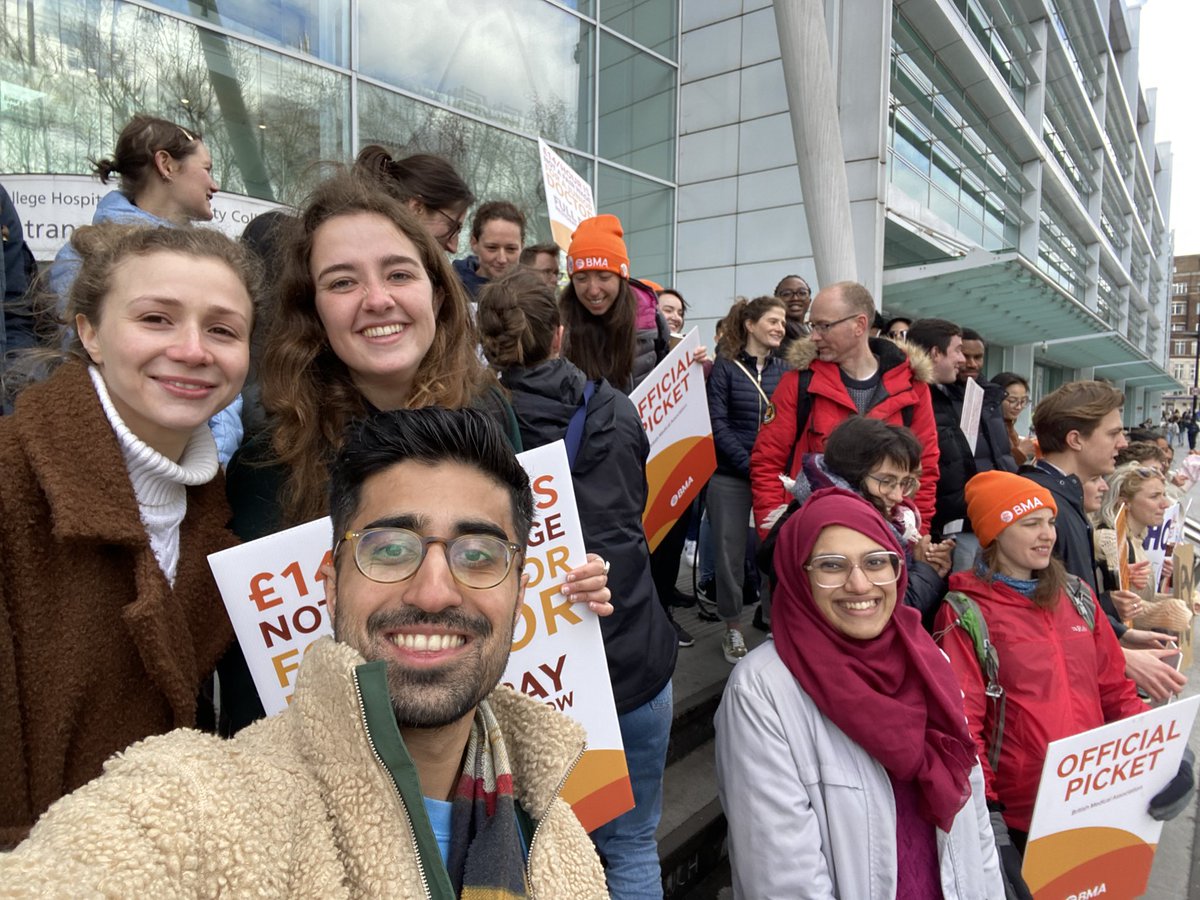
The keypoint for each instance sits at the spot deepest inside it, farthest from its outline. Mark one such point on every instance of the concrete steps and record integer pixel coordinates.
(691, 834)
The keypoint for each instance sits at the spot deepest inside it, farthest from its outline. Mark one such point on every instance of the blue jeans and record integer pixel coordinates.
(627, 842)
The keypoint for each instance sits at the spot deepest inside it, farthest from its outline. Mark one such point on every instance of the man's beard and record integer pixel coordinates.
(439, 696)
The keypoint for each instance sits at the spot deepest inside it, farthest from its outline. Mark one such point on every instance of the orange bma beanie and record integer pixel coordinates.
(598, 244)
(997, 499)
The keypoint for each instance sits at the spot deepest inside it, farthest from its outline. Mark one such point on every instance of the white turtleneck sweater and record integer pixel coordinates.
(159, 483)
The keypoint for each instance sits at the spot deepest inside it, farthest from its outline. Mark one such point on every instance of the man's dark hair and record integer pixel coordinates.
(530, 254)
(497, 209)
(970, 334)
(431, 435)
(931, 333)
(1142, 452)
(1146, 434)
(859, 444)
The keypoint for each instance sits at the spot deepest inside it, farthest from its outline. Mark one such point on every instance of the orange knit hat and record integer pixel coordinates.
(598, 245)
(997, 499)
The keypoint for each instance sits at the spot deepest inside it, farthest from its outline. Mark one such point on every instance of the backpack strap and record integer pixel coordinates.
(803, 411)
(574, 436)
(970, 619)
(1081, 599)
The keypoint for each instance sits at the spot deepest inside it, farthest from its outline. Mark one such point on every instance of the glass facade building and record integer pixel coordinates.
(277, 86)
(1002, 169)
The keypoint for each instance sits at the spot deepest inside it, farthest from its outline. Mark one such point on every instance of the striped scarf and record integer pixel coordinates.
(487, 856)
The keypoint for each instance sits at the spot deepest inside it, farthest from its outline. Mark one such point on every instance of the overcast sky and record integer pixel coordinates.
(1167, 59)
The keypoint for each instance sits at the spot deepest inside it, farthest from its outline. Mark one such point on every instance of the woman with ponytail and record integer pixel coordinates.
(428, 185)
(521, 332)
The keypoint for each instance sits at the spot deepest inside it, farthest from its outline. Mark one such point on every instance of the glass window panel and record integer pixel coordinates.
(652, 23)
(497, 164)
(316, 27)
(944, 207)
(637, 108)
(909, 181)
(85, 68)
(521, 63)
(646, 210)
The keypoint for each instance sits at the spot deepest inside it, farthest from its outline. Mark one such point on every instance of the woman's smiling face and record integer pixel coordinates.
(375, 301)
(858, 609)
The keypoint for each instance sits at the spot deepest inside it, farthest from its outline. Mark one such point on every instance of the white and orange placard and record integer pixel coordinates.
(568, 195)
(1090, 830)
(276, 600)
(673, 406)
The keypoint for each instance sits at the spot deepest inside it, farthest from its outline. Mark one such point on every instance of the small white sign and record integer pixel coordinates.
(972, 409)
(51, 207)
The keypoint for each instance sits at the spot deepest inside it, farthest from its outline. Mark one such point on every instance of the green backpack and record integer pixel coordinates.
(970, 619)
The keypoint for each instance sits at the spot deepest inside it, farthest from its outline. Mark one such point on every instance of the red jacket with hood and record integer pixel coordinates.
(905, 373)
(1060, 678)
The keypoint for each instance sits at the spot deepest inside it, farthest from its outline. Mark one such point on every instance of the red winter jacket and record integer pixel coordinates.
(906, 373)
(1059, 676)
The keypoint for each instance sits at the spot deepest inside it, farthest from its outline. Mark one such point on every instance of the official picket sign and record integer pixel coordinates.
(275, 595)
(1090, 829)
(673, 406)
(51, 207)
(568, 195)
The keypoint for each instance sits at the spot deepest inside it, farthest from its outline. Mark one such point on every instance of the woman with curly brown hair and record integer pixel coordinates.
(369, 316)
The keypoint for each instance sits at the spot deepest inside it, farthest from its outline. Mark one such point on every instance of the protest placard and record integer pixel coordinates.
(673, 406)
(1090, 830)
(568, 195)
(1158, 540)
(1121, 527)
(274, 593)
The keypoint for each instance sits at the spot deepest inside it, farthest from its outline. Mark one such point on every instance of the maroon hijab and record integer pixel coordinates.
(896, 695)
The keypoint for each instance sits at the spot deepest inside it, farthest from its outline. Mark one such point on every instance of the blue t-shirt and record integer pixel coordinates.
(439, 819)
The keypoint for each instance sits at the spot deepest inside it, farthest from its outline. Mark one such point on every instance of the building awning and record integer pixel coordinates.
(1000, 295)
(1011, 302)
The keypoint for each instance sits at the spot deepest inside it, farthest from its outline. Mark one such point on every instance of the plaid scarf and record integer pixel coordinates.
(487, 856)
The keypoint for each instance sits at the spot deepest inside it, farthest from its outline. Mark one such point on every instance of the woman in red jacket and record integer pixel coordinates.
(1061, 669)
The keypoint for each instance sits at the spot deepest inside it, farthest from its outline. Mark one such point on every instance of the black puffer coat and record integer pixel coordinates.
(737, 408)
(609, 476)
(956, 463)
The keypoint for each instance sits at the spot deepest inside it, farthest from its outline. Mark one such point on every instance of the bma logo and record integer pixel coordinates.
(679, 493)
(1090, 893)
(1020, 509)
(591, 262)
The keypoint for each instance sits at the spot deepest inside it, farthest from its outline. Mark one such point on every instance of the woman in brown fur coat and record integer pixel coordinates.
(111, 501)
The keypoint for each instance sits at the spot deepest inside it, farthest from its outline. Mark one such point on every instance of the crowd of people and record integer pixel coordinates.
(200, 391)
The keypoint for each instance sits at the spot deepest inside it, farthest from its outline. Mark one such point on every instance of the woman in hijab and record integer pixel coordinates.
(843, 758)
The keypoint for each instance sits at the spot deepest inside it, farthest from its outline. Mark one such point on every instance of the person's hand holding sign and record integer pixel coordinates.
(589, 584)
